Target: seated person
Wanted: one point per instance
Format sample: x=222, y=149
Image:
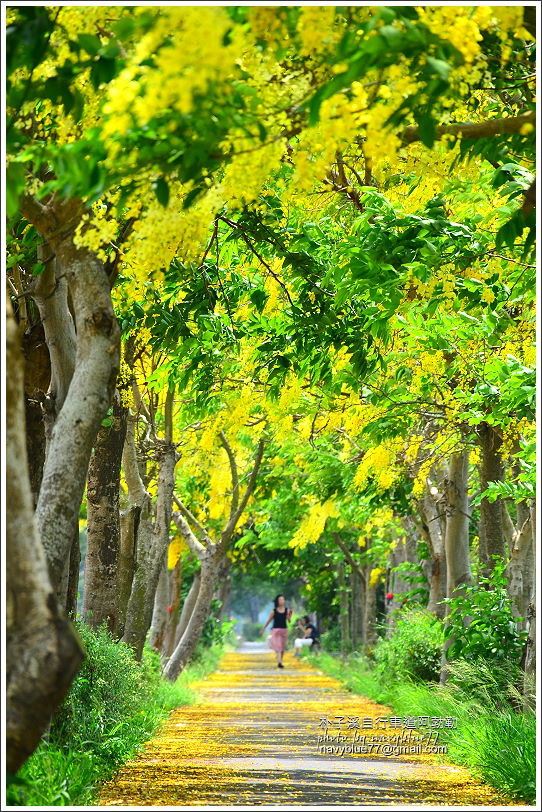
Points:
x=310, y=635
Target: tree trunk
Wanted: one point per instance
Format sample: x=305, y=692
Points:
x=210, y=563
x=254, y=607
x=457, y=524
x=519, y=570
x=435, y=524
x=43, y=651
x=357, y=614
x=370, y=613
x=37, y=377
x=346, y=643
x=92, y=384
x=175, y=579
x=128, y=523
x=73, y=575
x=456, y=541
x=152, y=544
x=188, y=608
x=51, y=296
x=224, y=587
x=491, y=470
x=529, y=664
x=160, y=610
x=103, y=545
x=211, y=557
x=134, y=631
x=396, y=585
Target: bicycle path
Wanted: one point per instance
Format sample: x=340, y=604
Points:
x=264, y=736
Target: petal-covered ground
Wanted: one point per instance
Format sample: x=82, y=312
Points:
x=265, y=736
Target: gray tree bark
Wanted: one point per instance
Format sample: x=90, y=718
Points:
x=520, y=570
x=101, y=597
x=358, y=608
x=50, y=292
x=92, y=384
x=152, y=543
x=435, y=521
x=160, y=613
x=358, y=599
x=224, y=587
x=210, y=559
x=128, y=523
x=457, y=533
x=344, y=605
x=43, y=650
x=188, y=608
x=457, y=524
x=72, y=590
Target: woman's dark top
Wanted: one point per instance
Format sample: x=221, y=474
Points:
x=279, y=619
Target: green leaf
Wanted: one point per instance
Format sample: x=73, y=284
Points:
x=426, y=126
x=89, y=43
x=15, y=181
x=258, y=298
x=161, y=190
x=439, y=67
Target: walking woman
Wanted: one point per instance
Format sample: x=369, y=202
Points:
x=280, y=616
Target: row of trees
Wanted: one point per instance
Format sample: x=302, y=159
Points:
x=273, y=287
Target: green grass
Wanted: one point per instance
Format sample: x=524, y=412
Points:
x=113, y=708
x=496, y=742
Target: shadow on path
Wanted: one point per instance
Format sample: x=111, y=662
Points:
x=264, y=736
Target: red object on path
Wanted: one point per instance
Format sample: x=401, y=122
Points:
x=170, y=608
x=389, y=595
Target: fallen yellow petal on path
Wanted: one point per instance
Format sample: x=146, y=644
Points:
x=261, y=735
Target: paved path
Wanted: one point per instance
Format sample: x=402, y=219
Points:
x=253, y=740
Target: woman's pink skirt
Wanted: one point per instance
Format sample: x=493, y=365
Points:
x=279, y=638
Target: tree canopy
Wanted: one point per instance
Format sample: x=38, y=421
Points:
x=299, y=245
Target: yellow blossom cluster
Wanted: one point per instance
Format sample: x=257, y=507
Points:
x=316, y=29
x=187, y=45
x=378, y=461
x=177, y=548
x=219, y=487
x=379, y=521
x=376, y=576
x=313, y=524
x=420, y=480
x=124, y=381
x=96, y=230
x=248, y=170
x=455, y=24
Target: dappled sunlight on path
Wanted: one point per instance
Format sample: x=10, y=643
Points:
x=260, y=735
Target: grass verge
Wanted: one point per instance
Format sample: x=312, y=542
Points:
x=497, y=743
x=113, y=708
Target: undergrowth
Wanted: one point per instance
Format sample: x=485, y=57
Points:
x=496, y=724
x=113, y=707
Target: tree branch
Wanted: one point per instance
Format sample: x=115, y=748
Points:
x=184, y=529
x=230, y=527
x=252, y=479
x=234, y=474
x=136, y=489
x=470, y=130
x=189, y=516
x=168, y=416
x=348, y=555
